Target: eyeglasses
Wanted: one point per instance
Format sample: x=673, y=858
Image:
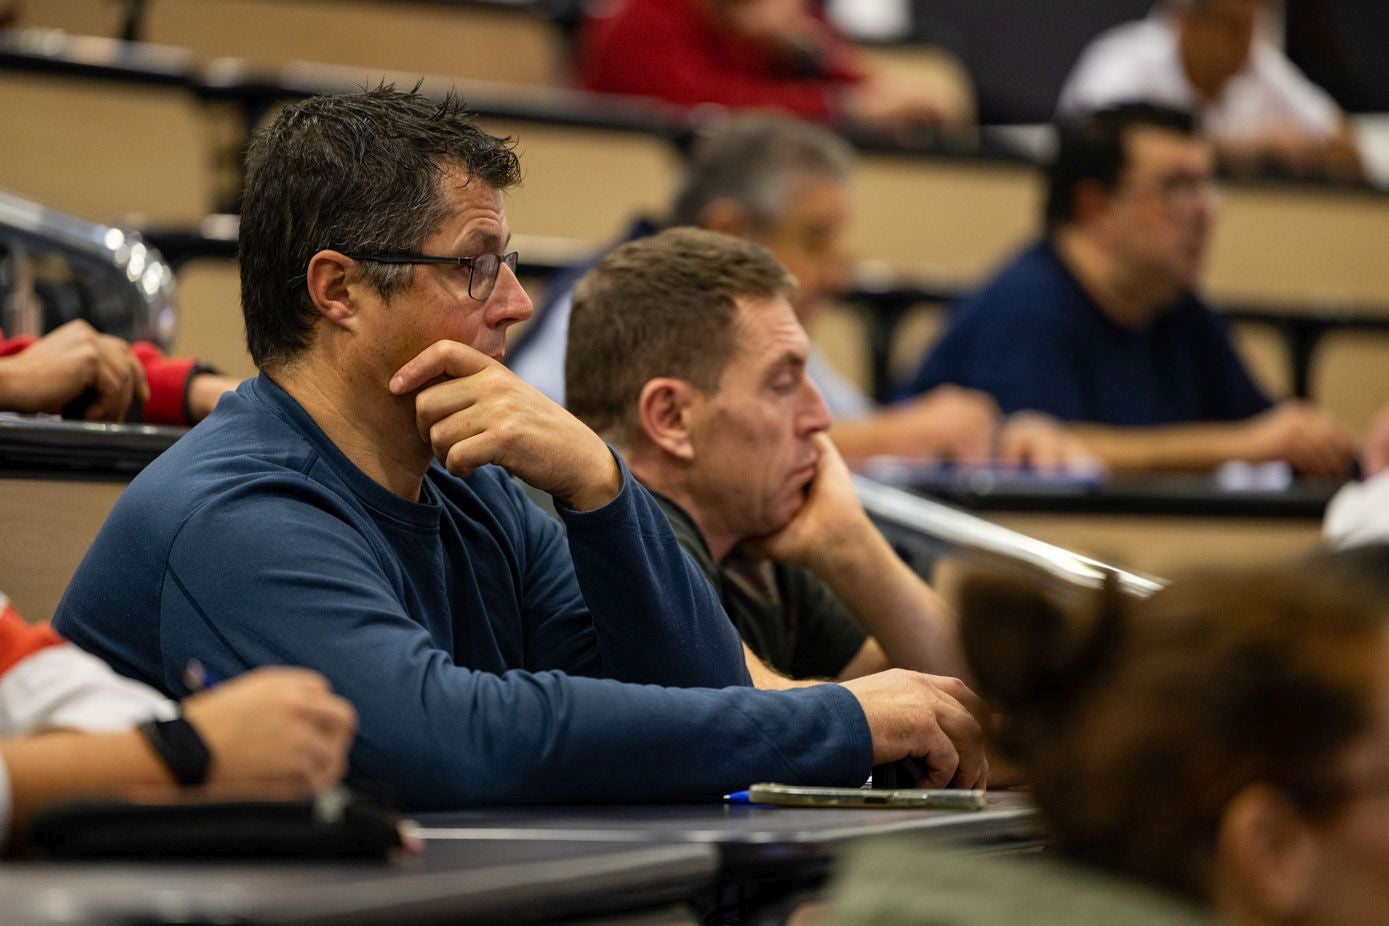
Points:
x=482, y=270
x=1179, y=190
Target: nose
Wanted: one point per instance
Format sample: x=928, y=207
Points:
x=509, y=302
x=814, y=415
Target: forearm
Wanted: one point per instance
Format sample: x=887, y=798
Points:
x=765, y=678
x=50, y=768
x=523, y=738
x=656, y=618
x=909, y=620
x=1179, y=447
x=860, y=439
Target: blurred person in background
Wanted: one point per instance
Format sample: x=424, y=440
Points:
x=1214, y=58
x=785, y=185
x=1220, y=748
x=754, y=54
x=1099, y=325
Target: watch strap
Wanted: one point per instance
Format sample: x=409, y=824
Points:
x=180, y=747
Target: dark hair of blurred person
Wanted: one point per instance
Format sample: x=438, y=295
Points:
x=1227, y=739
x=1095, y=149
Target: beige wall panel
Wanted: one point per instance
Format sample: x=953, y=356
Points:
x=586, y=184
x=80, y=17
x=45, y=529
x=946, y=220
x=1265, y=353
x=209, y=316
x=841, y=335
x=917, y=334
x=1350, y=376
x=105, y=151
x=1307, y=246
x=480, y=44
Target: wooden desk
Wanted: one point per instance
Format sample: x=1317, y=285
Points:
x=750, y=839
x=1156, y=524
x=454, y=881
x=58, y=481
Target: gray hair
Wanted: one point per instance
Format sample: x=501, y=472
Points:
x=753, y=160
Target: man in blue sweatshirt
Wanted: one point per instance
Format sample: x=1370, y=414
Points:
x=350, y=510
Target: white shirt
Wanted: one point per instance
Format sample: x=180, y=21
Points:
x=60, y=686
x=1359, y=514
x=1141, y=61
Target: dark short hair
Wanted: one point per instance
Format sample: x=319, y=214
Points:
x=351, y=172
x=660, y=306
x=1137, y=722
x=1094, y=147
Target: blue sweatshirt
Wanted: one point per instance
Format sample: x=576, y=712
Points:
x=490, y=658
x=1034, y=339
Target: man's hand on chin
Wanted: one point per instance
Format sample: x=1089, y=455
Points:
x=480, y=412
x=830, y=518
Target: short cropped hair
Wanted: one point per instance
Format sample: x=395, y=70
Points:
x=660, y=306
x=350, y=172
x=1093, y=147
x=753, y=160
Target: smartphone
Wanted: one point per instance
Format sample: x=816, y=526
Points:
x=911, y=798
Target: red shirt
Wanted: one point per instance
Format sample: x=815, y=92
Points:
x=168, y=379
x=669, y=49
x=19, y=640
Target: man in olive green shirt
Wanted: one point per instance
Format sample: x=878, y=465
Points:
x=686, y=354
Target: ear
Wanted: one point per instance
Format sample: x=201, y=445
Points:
x=1091, y=200
x=1268, y=854
x=332, y=287
x=727, y=216
x=664, y=412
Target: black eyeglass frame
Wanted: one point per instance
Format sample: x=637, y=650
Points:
x=476, y=266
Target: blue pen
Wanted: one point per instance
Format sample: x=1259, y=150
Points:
x=737, y=797
x=197, y=678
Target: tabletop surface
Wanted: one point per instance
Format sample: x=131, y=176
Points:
x=450, y=880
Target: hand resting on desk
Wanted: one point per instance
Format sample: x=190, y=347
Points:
x=927, y=717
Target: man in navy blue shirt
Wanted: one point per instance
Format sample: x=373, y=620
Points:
x=350, y=510
x=1097, y=324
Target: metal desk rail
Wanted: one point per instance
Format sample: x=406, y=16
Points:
x=965, y=533
x=120, y=258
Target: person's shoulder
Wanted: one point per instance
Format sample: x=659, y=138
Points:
x=1031, y=286
x=1148, y=36
x=1273, y=73
x=1120, y=63
x=240, y=440
x=955, y=889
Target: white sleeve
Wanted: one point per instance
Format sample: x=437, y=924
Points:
x=62, y=686
x=542, y=362
x=1132, y=62
x=1359, y=514
x=845, y=401
x=1306, y=105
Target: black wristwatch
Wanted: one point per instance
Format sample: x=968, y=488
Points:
x=181, y=748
